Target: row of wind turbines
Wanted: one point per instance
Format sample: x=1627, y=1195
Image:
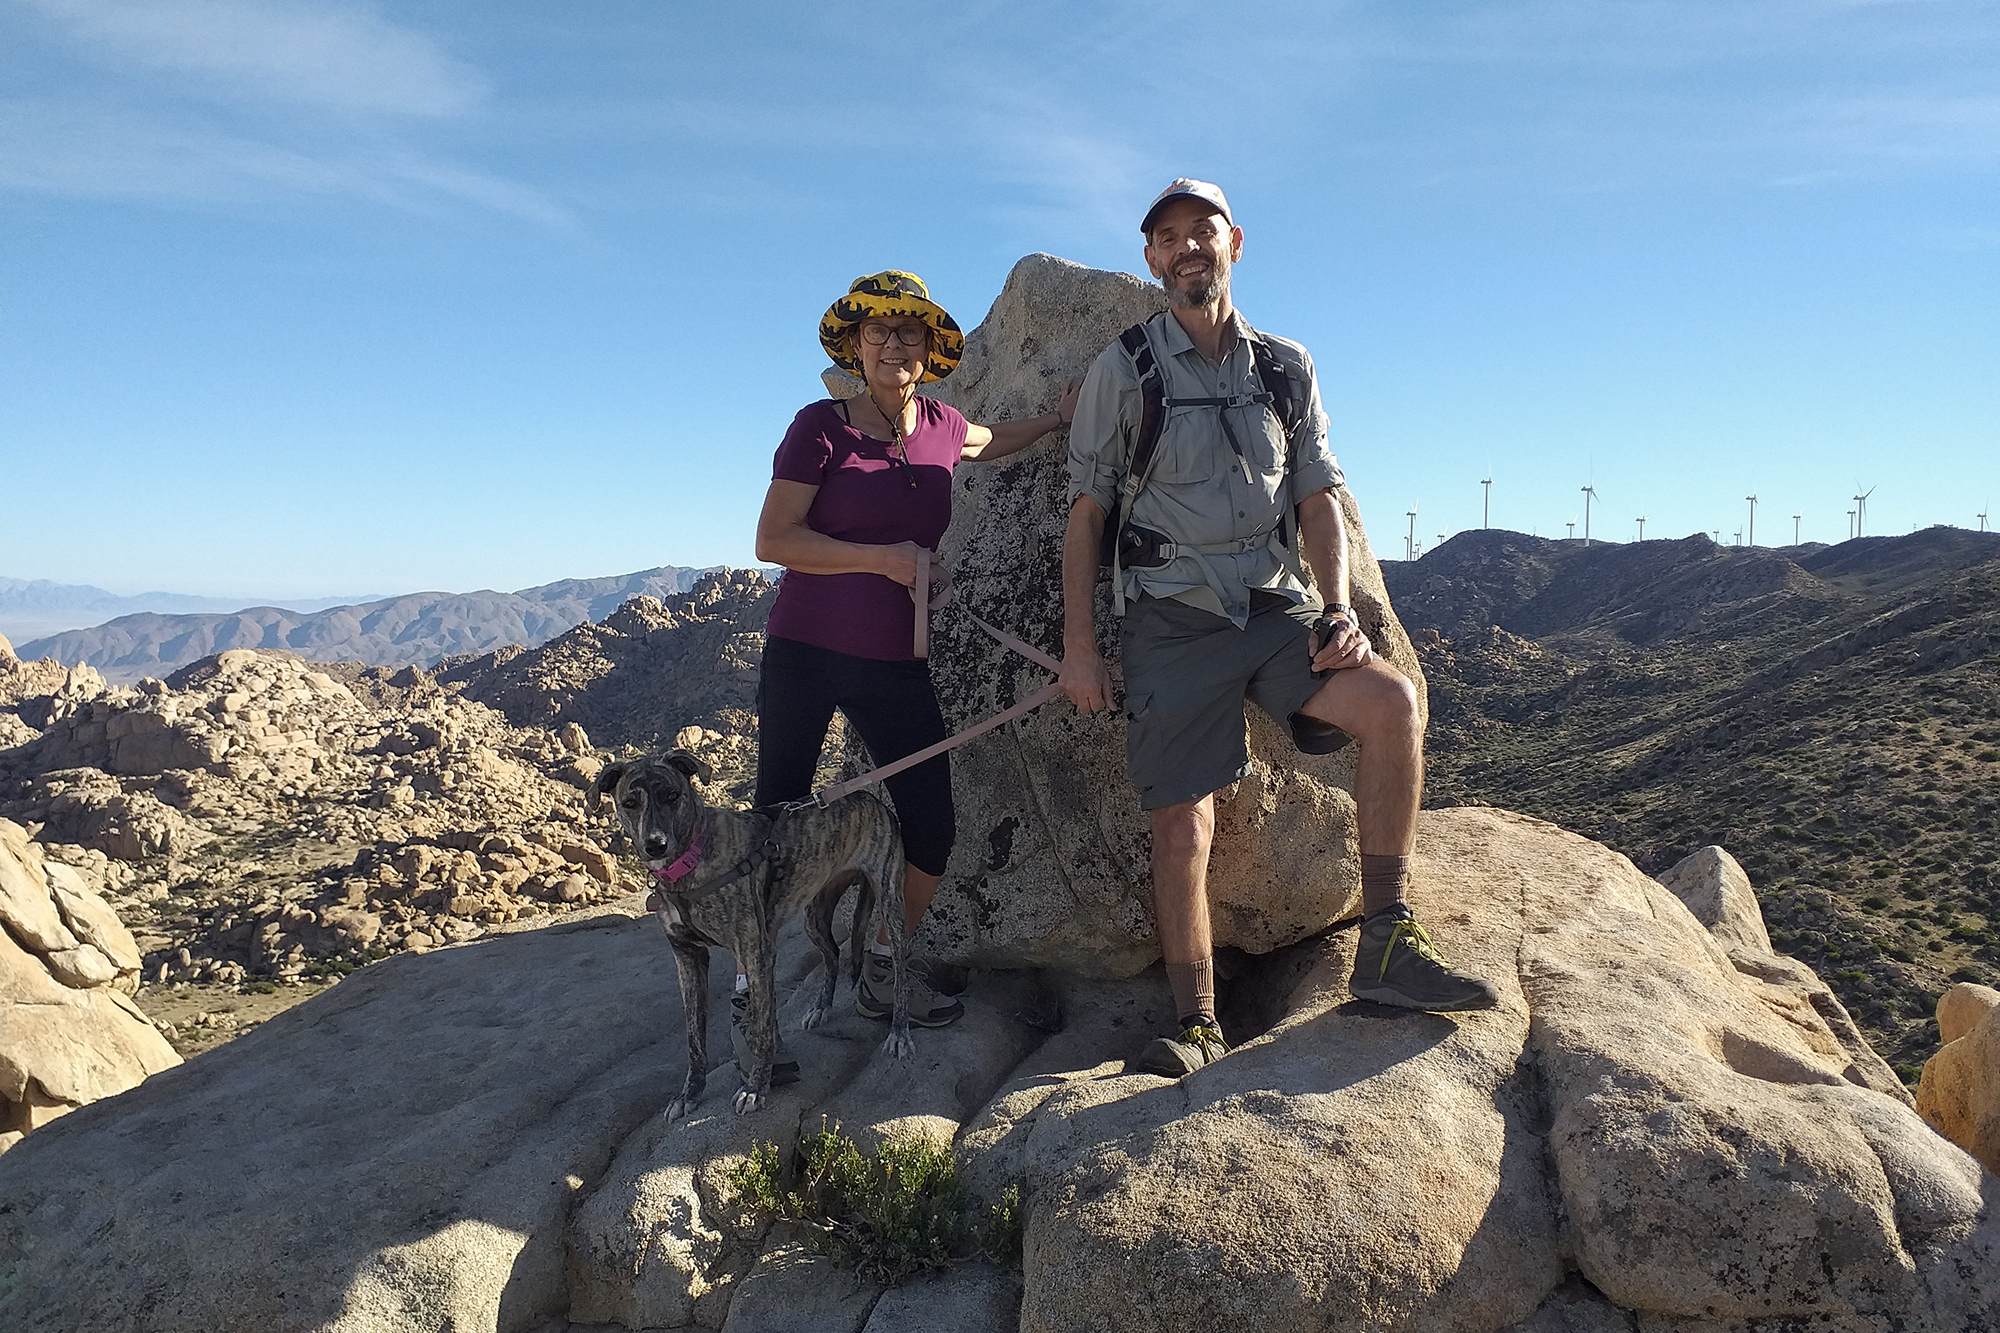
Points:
x=1857, y=520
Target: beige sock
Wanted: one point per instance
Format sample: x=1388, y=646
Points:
x=1194, y=988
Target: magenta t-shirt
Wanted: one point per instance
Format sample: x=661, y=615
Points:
x=864, y=496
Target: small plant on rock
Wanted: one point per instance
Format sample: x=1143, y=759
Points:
x=902, y=1212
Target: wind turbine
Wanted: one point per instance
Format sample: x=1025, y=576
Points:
x=1861, y=510
x=1737, y=538
x=1571, y=525
x=1795, y=528
x=1642, y=527
x=1440, y=539
x=1753, y=518
x=1982, y=519
x=1410, y=542
x=1486, y=502
x=1589, y=494
x=1850, y=524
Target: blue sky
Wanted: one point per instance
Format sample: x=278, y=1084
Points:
x=317, y=298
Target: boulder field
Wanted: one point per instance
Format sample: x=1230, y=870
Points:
x=1657, y=1130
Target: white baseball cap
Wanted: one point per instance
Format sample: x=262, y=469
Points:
x=1187, y=189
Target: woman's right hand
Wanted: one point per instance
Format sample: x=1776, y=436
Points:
x=899, y=562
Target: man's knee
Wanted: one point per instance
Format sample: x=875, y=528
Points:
x=1184, y=828
x=1376, y=704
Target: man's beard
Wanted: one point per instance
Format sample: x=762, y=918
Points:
x=1200, y=289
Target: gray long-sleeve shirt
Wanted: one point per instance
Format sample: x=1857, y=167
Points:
x=1201, y=493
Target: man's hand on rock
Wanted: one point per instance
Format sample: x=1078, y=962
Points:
x=1086, y=680
x=1338, y=643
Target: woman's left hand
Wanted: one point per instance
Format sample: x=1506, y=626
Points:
x=1005, y=438
x=1066, y=403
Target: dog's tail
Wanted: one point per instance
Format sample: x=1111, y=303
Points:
x=865, y=897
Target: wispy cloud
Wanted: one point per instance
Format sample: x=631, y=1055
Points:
x=339, y=57
x=51, y=148
x=227, y=102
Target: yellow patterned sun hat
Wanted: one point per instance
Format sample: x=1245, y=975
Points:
x=891, y=292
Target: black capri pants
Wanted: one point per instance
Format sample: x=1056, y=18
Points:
x=893, y=707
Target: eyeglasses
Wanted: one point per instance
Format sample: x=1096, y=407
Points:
x=909, y=335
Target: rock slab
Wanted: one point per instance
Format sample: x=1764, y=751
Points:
x=1642, y=1136
x=69, y=1031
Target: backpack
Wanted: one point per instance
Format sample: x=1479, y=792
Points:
x=1125, y=544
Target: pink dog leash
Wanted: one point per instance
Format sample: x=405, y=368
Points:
x=925, y=605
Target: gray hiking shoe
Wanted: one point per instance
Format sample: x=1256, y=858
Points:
x=1200, y=1043
x=875, y=997
x=784, y=1066
x=1396, y=963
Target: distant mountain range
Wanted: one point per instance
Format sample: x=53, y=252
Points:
x=36, y=608
x=415, y=629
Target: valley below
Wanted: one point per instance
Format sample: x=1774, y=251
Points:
x=1831, y=715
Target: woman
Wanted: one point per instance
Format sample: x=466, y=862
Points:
x=857, y=487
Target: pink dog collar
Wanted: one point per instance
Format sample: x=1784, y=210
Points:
x=684, y=864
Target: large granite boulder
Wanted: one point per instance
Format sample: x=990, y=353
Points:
x=1960, y=1089
x=1638, y=1110
x=1643, y=1136
x=1051, y=863
x=69, y=1033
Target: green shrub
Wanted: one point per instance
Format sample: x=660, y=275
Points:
x=902, y=1212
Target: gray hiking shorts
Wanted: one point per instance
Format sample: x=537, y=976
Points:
x=1187, y=673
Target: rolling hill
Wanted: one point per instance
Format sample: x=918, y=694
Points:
x=415, y=629
x=1829, y=714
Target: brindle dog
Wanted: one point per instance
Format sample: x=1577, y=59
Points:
x=746, y=872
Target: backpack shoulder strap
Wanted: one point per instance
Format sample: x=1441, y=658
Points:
x=1152, y=396
x=1152, y=414
x=1271, y=373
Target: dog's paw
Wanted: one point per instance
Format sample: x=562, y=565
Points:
x=814, y=1017
x=748, y=1101
x=678, y=1108
x=899, y=1046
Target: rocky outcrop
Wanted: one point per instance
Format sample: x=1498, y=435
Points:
x=1642, y=1136
x=1714, y=887
x=1051, y=862
x=650, y=669
x=1960, y=1090
x=422, y=822
x=69, y=1034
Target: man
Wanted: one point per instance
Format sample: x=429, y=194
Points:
x=1216, y=610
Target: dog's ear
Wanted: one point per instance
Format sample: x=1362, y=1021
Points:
x=690, y=765
x=607, y=778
